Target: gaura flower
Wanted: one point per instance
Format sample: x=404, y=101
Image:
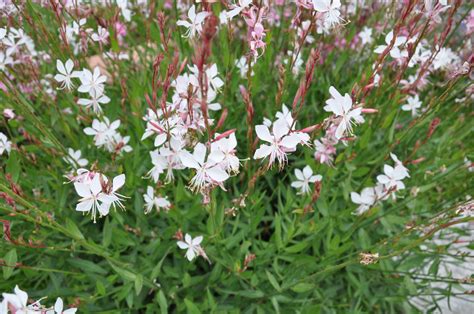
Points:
x=154, y=201
x=66, y=74
x=304, y=178
x=280, y=142
x=92, y=83
x=341, y=106
x=194, y=25
x=208, y=171
x=193, y=246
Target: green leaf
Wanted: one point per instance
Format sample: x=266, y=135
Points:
x=273, y=281
x=74, y=230
x=138, y=284
x=13, y=166
x=10, y=260
x=191, y=307
x=302, y=287
x=107, y=233
x=125, y=274
x=87, y=266
x=162, y=302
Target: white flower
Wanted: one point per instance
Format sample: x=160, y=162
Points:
x=365, y=199
x=101, y=35
x=225, y=150
x=4, y=61
x=366, y=35
x=94, y=102
x=392, y=177
x=91, y=197
x=207, y=172
x=92, y=83
x=17, y=302
x=237, y=8
x=98, y=195
x=66, y=73
x=111, y=197
x=395, y=52
x=59, y=306
x=214, y=82
x=74, y=158
x=280, y=142
x=126, y=13
x=330, y=8
x=103, y=132
x=342, y=107
x=399, y=164
x=413, y=104
x=194, y=25
x=305, y=177
x=5, y=144
x=193, y=246
x=159, y=165
x=152, y=200
x=445, y=58
x=243, y=66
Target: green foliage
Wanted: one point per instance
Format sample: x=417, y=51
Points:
x=307, y=262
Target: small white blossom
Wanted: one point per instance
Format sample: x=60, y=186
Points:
x=194, y=25
x=74, y=158
x=155, y=201
x=92, y=82
x=5, y=144
x=192, y=246
x=305, y=177
x=341, y=106
x=66, y=73
x=413, y=104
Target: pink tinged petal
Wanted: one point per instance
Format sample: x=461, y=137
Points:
x=334, y=93
x=290, y=141
x=388, y=170
x=188, y=160
x=217, y=174
x=60, y=67
x=160, y=139
x=315, y=178
x=263, y=133
x=383, y=179
x=69, y=66
x=307, y=172
x=12, y=299
x=200, y=153
x=59, y=77
x=118, y=182
x=297, y=184
x=347, y=103
x=280, y=128
x=190, y=255
x=96, y=186
x=182, y=245
x=22, y=295
x=356, y=198
x=59, y=305
x=299, y=175
x=262, y=152
x=83, y=190
x=380, y=49
x=85, y=206
x=188, y=238
x=341, y=128
x=197, y=240
x=104, y=209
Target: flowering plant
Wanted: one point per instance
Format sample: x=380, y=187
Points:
x=228, y=156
